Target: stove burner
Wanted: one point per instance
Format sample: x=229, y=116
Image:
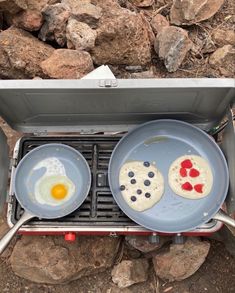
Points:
x=99, y=208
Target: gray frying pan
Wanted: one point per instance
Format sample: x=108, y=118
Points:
x=163, y=141
x=62, y=160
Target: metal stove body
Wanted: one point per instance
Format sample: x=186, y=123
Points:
x=99, y=214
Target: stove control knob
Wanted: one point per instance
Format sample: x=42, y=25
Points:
x=71, y=237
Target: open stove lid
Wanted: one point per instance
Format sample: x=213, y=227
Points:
x=111, y=105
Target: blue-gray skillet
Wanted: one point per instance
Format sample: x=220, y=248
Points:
x=163, y=141
x=76, y=169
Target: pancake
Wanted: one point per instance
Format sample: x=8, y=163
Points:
x=141, y=184
x=190, y=177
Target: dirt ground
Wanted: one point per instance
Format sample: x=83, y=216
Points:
x=217, y=274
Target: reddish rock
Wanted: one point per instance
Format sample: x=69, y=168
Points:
x=21, y=60
x=223, y=59
x=106, y=6
x=84, y=11
x=130, y=272
x=38, y=4
x=30, y=20
x=142, y=3
x=149, y=28
x=79, y=35
x=122, y=38
x=171, y=45
x=187, y=12
x=182, y=260
x=52, y=260
x=55, y=21
x=158, y=22
x=223, y=37
x=13, y=6
x=142, y=242
x=67, y=64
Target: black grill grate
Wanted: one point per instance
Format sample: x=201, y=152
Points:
x=99, y=208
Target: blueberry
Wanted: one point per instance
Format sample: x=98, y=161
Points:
x=122, y=187
x=151, y=174
x=139, y=191
x=133, y=181
x=148, y=195
x=133, y=198
x=146, y=164
x=147, y=182
x=131, y=174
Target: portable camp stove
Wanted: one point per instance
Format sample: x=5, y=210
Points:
x=101, y=111
x=99, y=214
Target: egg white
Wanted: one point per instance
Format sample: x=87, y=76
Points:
x=44, y=186
x=55, y=174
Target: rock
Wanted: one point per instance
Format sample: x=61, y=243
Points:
x=55, y=21
x=130, y=272
x=223, y=59
x=84, y=11
x=142, y=242
x=187, y=12
x=182, y=260
x=158, y=22
x=30, y=20
x=38, y=5
x=79, y=35
x=149, y=28
x=122, y=38
x=171, y=45
x=106, y=6
x=13, y=6
x=21, y=54
x=223, y=37
x=52, y=260
x=142, y=3
x=67, y=64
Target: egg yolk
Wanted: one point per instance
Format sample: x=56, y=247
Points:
x=59, y=191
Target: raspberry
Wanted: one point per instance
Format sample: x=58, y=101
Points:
x=186, y=164
x=194, y=172
x=183, y=172
x=187, y=186
x=198, y=188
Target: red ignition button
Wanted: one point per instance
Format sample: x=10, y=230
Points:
x=71, y=237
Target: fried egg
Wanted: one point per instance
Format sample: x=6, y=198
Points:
x=54, y=187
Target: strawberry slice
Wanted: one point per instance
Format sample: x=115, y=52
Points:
x=194, y=173
x=186, y=164
x=187, y=186
x=198, y=187
x=183, y=172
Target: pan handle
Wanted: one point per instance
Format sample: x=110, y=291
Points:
x=223, y=217
x=9, y=235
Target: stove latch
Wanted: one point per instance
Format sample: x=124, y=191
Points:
x=108, y=83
